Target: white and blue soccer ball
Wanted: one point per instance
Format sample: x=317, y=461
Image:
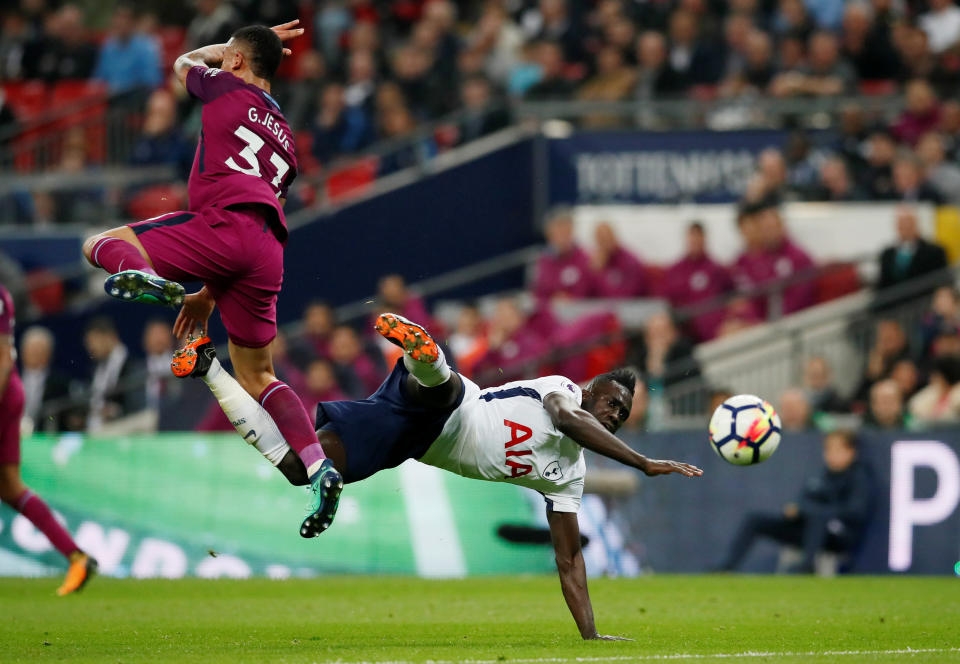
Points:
x=744, y=430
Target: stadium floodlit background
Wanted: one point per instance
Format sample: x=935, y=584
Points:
x=727, y=196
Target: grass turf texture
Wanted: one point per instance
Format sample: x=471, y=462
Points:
x=496, y=618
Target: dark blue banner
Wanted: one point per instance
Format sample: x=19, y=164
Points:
x=687, y=525
x=655, y=167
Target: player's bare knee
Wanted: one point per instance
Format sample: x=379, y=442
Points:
x=89, y=245
x=254, y=382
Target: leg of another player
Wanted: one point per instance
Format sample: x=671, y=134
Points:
x=15, y=494
x=132, y=274
x=254, y=369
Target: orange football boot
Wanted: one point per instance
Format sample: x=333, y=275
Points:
x=194, y=359
x=412, y=338
x=82, y=568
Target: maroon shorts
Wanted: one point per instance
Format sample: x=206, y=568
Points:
x=234, y=252
x=11, y=410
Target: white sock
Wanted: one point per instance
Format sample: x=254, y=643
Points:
x=248, y=417
x=428, y=374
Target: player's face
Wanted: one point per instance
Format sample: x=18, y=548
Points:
x=610, y=405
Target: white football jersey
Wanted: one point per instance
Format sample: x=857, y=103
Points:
x=504, y=434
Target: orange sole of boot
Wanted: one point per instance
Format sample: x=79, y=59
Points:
x=414, y=340
x=185, y=359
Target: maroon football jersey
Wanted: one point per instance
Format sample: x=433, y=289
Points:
x=246, y=152
x=6, y=312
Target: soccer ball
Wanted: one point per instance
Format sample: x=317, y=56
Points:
x=744, y=430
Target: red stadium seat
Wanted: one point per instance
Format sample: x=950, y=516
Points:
x=836, y=281
x=352, y=180
x=85, y=105
x=306, y=162
x=878, y=87
x=172, y=39
x=28, y=99
x=156, y=200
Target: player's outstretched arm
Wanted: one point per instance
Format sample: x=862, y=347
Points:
x=584, y=428
x=565, y=533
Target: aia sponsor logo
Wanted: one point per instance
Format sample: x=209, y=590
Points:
x=518, y=434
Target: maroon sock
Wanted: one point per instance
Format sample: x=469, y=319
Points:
x=294, y=424
x=31, y=506
x=115, y=255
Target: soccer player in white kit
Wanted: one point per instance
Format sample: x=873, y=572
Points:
x=530, y=433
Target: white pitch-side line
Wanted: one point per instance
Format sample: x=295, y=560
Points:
x=433, y=531
x=647, y=658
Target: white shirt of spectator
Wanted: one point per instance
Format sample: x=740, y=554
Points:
x=942, y=28
x=504, y=434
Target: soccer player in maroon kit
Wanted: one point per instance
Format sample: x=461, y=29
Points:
x=231, y=238
x=12, y=490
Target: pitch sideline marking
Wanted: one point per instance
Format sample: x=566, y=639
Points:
x=677, y=656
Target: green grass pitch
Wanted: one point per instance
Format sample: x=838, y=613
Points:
x=521, y=619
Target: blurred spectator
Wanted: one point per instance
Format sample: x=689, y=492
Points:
x=939, y=174
x=697, y=278
x=773, y=172
x=639, y=409
x=299, y=97
x=68, y=53
x=662, y=354
x=499, y=39
x=394, y=296
x=851, y=143
x=825, y=75
x=939, y=401
x=907, y=377
x=15, y=37
x=950, y=128
x=513, y=344
x=759, y=68
x=889, y=347
x=111, y=396
x=468, y=342
x=796, y=413
x=912, y=256
x=835, y=183
x=397, y=122
x=552, y=20
x=943, y=318
x=553, y=84
x=480, y=116
x=161, y=141
x=753, y=267
x=128, y=60
x=886, y=406
x=617, y=271
x=339, y=128
x=613, y=81
x=286, y=365
x=214, y=23
x=908, y=181
x=43, y=385
x=877, y=177
x=818, y=383
x=357, y=374
x=564, y=268
x=690, y=56
x=942, y=25
x=318, y=323
x=361, y=82
x=867, y=45
x=158, y=348
x=831, y=514
x=656, y=77
x=789, y=262
x=921, y=114
x=321, y=386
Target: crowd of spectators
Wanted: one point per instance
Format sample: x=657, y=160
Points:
x=369, y=70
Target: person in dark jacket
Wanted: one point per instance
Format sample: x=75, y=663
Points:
x=912, y=256
x=831, y=513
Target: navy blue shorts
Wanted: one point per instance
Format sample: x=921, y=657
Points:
x=385, y=429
